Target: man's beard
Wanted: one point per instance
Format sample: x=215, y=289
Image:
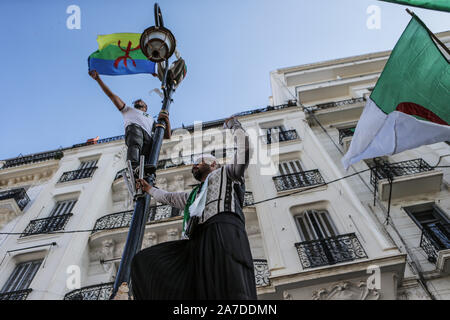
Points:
x=198, y=174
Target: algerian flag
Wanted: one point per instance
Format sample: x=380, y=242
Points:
x=410, y=104
x=443, y=5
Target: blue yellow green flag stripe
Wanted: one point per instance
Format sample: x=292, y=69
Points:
x=120, y=54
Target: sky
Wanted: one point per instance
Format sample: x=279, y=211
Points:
x=49, y=101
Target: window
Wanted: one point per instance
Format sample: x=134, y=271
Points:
x=273, y=134
x=88, y=164
x=315, y=225
x=62, y=207
x=432, y=220
x=292, y=175
x=288, y=167
x=278, y=133
x=22, y=276
x=56, y=221
x=321, y=244
x=85, y=170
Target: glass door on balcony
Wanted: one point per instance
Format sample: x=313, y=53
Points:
x=88, y=164
x=274, y=134
x=20, y=279
x=434, y=223
x=315, y=225
x=292, y=173
x=59, y=215
x=321, y=243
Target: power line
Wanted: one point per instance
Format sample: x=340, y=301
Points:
x=248, y=205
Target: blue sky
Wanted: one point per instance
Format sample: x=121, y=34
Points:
x=48, y=100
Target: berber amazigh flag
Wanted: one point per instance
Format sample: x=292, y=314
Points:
x=410, y=104
x=443, y=5
x=119, y=54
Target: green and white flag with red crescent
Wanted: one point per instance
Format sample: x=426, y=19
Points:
x=410, y=104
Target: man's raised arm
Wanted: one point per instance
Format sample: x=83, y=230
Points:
x=174, y=199
x=241, y=158
x=114, y=98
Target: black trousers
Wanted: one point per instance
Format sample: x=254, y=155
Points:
x=215, y=264
x=138, y=142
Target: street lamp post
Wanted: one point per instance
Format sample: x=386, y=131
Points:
x=158, y=44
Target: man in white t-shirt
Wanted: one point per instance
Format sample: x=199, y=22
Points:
x=138, y=124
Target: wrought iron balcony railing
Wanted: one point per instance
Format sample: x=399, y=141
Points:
x=338, y=103
x=280, y=136
x=95, y=292
x=38, y=157
x=248, y=198
x=262, y=272
x=298, y=180
x=329, y=251
x=15, y=295
x=343, y=133
x=46, y=225
x=103, y=291
x=58, y=154
x=434, y=239
x=77, y=174
x=123, y=219
x=94, y=141
x=20, y=195
x=398, y=169
x=189, y=160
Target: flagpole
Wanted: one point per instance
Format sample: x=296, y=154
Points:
x=429, y=31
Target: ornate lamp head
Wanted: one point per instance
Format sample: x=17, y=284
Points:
x=157, y=43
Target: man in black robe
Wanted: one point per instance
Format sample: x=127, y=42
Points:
x=214, y=260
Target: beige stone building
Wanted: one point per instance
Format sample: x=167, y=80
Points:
x=313, y=233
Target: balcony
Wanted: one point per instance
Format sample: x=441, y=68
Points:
x=104, y=291
x=409, y=178
x=189, y=160
x=435, y=241
x=19, y=196
x=77, y=174
x=298, y=180
x=97, y=141
x=337, y=111
x=46, y=225
x=329, y=251
x=38, y=157
x=123, y=219
x=280, y=136
x=95, y=292
x=15, y=295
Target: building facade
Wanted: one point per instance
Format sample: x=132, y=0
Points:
x=380, y=233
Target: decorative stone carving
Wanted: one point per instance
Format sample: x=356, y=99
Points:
x=107, y=253
x=30, y=173
x=172, y=234
x=120, y=155
x=161, y=183
x=6, y=216
x=347, y=291
x=150, y=239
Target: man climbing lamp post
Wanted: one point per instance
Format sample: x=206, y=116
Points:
x=158, y=45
